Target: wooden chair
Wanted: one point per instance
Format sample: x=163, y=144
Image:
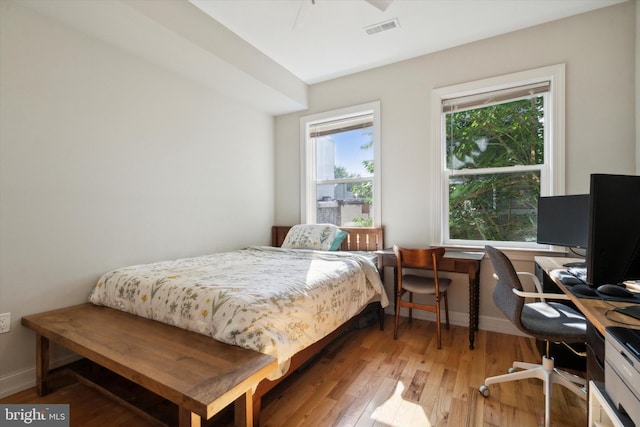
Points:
x=414, y=284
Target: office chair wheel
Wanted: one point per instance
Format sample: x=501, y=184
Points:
x=511, y=370
x=484, y=390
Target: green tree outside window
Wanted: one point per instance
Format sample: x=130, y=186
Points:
x=502, y=142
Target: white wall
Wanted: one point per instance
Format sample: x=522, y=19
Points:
x=108, y=160
x=598, y=49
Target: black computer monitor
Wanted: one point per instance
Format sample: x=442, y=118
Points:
x=564, y=220
x=613, y=254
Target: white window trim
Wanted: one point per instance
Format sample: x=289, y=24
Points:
x=556, y=170
x=307, y=158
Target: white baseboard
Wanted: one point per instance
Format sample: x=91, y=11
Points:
x=21, y=380
x=492, y=324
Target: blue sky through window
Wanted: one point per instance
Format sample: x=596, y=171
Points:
x=348, y=152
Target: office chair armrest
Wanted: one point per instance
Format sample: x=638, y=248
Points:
x=537, y=295
x=542, y=296
x=533, y=278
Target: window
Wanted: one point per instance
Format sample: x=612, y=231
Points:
x=500, y=146
x=340, y=171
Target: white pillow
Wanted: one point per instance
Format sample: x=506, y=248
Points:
x=310, y=236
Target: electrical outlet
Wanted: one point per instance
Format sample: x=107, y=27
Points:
x=5, y=323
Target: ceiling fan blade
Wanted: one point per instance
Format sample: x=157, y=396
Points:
x=304, y=11
x=380, y=4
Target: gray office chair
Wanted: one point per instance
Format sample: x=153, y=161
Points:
x=548, y=321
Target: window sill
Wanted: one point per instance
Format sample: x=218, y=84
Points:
x=517, y=254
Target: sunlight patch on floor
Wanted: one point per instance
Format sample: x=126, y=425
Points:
x=399, y=412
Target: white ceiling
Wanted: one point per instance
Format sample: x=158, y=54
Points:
x=327, y=40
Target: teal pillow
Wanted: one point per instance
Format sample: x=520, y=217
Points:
x=337, y=239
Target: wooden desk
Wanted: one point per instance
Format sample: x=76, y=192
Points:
x=454, y=261
x=200, y=375
x=597, y=311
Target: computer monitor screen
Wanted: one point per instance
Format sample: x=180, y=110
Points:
x=564, y=220
x=613, y=254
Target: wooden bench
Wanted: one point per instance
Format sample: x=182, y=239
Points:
x=197, y=373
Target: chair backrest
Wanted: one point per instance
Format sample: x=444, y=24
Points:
x=504, y=298
x=418, y=258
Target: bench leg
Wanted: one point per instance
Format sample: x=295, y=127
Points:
x=42, y=365
x=243, y=410
x=188, y=418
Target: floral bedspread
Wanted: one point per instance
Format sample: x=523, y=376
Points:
x=272, y=300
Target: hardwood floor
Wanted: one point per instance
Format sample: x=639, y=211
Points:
x=366, y=378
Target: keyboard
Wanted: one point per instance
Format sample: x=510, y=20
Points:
x=579, y=272
x=566, y=278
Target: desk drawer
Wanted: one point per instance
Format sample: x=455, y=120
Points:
x=595, y=340
x=456, y=266
x=595, y=354
x=595, y=367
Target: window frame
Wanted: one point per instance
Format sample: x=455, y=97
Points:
x=552, y=172
x=308, y=158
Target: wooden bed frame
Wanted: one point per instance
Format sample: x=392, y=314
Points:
x=359, y=239
x=134, y=358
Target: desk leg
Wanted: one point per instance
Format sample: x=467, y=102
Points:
x=381, y=316
x=474, y=303
x=42, y=365
x=395, y=289
x=380, y=264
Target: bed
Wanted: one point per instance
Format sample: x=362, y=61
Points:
x=273, y=300
x=288, y=302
